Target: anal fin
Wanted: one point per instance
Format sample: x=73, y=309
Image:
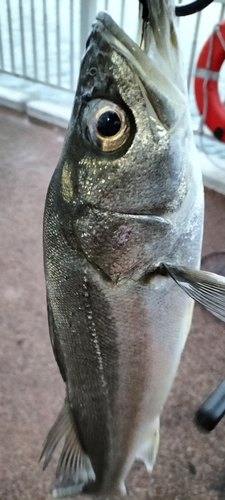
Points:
x=148, y=451
x=74, y=469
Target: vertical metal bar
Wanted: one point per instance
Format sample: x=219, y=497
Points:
x=34, y=44
x=178, y=19
x=45, y=41
x=22, y=38
x=1, y=48
x=193, y=49
x=122, y=15
x=71, y=45
x=87, y=16
x=106, y=5
x=221, y=13
x=10, y=36
x=58, y=55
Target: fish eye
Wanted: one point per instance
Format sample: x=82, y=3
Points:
x=106, y=124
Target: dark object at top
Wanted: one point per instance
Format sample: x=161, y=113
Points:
x=212, y=410
x=180, y=10
x=192, y=8
x=145, y=10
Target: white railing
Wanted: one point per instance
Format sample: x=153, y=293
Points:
x=43, y=40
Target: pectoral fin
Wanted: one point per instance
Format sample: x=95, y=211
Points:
x=74, y=467
x=206, y=288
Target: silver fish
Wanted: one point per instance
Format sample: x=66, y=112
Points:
x=126, y=196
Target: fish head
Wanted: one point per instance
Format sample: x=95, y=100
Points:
x=125, y=163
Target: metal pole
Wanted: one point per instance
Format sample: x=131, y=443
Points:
x=58, y=55
x=194, y=43
x=221, y=13
x=34, y=39
x=22, y=38
x=45, y=41
x=10, y=36
x=122, y=16
x=1, y=49
x=71, y=45
x=87, y=16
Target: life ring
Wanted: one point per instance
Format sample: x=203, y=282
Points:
x=206, y=82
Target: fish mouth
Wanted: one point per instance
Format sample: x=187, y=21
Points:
x=118, y=37
x=138, y=217
x=84, y=209
x=159, y=85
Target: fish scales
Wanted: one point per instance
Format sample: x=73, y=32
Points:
x=126, y=195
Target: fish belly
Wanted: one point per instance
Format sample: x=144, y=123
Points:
x=152, y=323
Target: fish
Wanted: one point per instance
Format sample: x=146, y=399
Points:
x=123, y=219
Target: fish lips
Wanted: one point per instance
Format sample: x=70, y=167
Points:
x=120, y=245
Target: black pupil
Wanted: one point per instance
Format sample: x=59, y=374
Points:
x=108, y=123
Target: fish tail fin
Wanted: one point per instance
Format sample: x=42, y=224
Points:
x=74, y=468
x=148, y=451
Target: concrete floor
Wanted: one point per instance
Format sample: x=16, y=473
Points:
x=190, y=465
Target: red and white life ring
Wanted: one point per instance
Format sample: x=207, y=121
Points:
x=206, y=82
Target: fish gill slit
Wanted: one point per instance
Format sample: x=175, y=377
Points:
x=94, y=335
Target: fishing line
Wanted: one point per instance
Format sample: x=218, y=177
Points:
x=192, y=8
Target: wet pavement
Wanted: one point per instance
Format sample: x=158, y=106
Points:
x=190, y=465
